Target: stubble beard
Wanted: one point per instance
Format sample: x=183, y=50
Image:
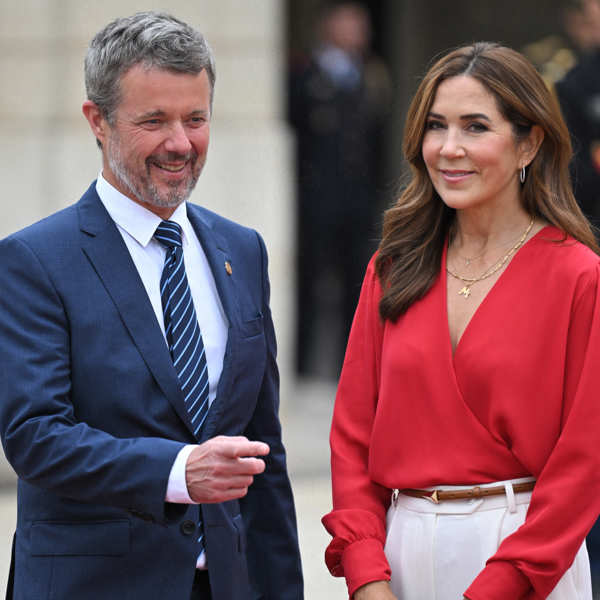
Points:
x=142, y=188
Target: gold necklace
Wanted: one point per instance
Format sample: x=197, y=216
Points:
x=469, y=281
x=469, y=259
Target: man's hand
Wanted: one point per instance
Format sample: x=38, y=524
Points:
x=223, y=468
x=376, y=590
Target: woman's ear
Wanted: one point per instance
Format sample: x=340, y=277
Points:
x=531, y=144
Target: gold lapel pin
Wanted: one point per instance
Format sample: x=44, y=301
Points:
x=228, y=267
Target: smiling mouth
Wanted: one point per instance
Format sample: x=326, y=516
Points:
x=170, y=168
x=455, y=173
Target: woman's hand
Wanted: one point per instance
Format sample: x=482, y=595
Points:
x=376, y=590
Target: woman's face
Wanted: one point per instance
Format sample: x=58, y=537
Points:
x=469, y=148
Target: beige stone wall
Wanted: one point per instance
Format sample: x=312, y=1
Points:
x=47, y=153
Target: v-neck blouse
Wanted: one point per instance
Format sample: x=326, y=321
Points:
x=519, y=397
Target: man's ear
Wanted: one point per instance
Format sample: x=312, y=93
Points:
x=95, y=118
x=531, y=144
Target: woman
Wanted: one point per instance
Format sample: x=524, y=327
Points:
x=471, y=369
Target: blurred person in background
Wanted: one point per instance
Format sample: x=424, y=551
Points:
x=579, y=96
x=466, y=426
x=338, y=97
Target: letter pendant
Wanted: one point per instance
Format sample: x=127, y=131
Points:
x=466, y=291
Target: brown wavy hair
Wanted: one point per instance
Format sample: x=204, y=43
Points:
x=416, y=226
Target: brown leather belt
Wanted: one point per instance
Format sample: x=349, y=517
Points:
x=436, y=496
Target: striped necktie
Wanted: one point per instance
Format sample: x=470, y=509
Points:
x=183, y=332
x=181, y=326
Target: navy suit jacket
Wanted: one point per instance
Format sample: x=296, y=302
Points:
x=92, y=418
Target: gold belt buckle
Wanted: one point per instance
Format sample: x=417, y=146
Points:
x=433, y=498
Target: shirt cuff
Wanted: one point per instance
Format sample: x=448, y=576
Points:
x=498, y=581
x=364, y=561
x=177, y=491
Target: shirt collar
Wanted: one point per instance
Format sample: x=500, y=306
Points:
x=139, y=222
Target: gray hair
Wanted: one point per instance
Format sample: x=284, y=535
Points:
x=153, y=39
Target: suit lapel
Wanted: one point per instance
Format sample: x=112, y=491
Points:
x=217, y=252
x=106, y=250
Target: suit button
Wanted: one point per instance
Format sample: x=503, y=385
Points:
x=188, y=527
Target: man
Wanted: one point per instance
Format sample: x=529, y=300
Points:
x=338, y=100
x=579, y=96
x=139, y=383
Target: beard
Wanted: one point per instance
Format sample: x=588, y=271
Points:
x=139, y=183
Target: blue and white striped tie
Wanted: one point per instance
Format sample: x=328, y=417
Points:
x=181, y=326
x=182, y=330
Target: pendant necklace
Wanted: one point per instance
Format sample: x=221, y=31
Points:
x=470, y=259
x=469, y=281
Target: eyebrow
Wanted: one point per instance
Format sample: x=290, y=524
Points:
x=468, y=117
x=150, y=115
x=161, y=113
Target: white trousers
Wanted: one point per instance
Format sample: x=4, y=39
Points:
x=435, y=551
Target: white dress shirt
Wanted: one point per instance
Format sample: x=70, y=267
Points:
x=137, y=225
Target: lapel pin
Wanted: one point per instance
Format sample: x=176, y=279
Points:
x=228, y=267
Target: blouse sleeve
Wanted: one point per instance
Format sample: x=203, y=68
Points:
x=357, y=521
x=566, y=500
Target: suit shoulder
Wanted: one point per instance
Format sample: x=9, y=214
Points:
x=583, y=76
x=226, y=227
x=58, y=230
x=56, y=224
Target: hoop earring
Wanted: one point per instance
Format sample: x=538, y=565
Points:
x=522, y=174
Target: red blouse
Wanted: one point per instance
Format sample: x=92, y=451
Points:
x=519, y=397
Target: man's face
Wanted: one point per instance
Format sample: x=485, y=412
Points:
x=583, y=25
x=156, y=146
